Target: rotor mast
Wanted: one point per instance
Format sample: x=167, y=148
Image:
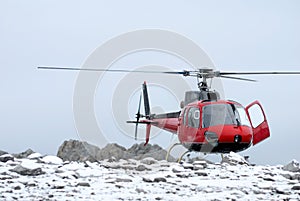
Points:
x=204, y=74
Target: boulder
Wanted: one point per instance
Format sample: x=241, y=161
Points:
x=6, y=157
x=113, y=151
x=293, y=166
x=74, y=150
x=139, y=151
x=3, y=152
x=27, y=171
x=24, y=154
x=234, y=159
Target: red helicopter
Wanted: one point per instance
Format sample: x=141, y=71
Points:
x=206, y=123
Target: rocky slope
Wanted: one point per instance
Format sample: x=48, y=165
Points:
x=74, y=150
x=37, y=177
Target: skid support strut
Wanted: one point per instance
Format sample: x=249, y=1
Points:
x=182, y=155
x=169, y=151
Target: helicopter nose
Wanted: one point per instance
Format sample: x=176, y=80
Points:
x=237, y=138
x=212, y=138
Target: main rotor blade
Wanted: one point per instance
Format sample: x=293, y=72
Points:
x=185, y=73
x=262, y=73
x=238, y=78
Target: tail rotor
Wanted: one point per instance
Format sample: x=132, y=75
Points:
x=147, y=115
x=138, y=116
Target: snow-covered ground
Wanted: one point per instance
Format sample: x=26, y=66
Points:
x=49, y=178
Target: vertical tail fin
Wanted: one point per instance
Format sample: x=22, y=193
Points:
x=147, y=111
x=146, y=101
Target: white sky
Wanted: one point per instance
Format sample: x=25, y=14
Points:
x=36, y=107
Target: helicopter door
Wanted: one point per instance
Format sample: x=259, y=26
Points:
x=258, y=121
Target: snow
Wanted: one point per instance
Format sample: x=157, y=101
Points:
x=34, y=156
x=52, y=160
x=30, y=164
x=162, y=180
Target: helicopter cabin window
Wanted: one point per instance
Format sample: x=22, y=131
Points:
x=194, y=117
x=184, y=117
x=224, y=114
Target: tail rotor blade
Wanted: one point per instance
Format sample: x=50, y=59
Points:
x=138, y=115
x=135, y=132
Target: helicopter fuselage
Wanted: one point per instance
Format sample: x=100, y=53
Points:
x=213, y=126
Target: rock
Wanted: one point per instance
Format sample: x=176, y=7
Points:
x=2, y=152
x=85, y=184
x=58, y=186
x=234, y=159
x=113, y=151
x=139, y=151
x=26, y=171
x=187, y=166
x=183, y=175
x=139, y=190
x=268, y=179
x=159, y=179
x=281, y=191
x=297, y=187
x=17, y=188
x=148, y=161
x=154, y=179
x=287, y=176
x=123, y=180
x=293, y=166
x=141, y=168
x=74, y=150
x=178, y=169
x=6, y=157
x=147, y=179
x=31, y=184
x=112, y=159
x=200, y=173
x=24, y=154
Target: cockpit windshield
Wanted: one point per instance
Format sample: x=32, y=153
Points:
x=224, y=114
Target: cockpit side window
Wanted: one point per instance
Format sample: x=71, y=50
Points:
x=194, y=117
x=241, y=115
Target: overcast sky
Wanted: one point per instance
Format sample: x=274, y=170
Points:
x=36, y=107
